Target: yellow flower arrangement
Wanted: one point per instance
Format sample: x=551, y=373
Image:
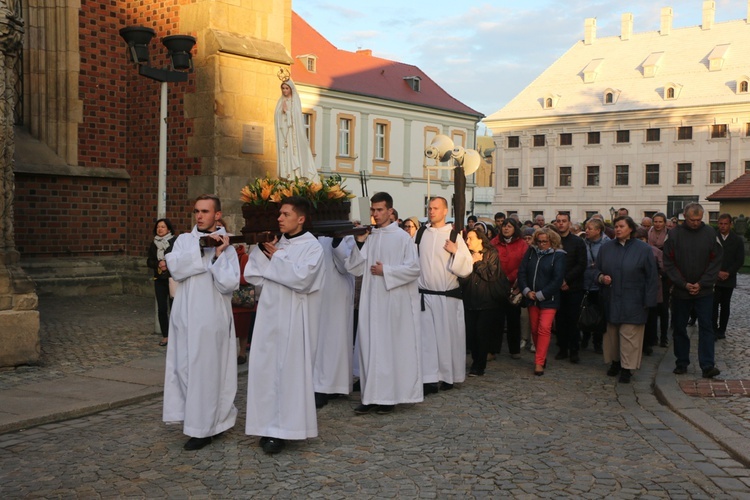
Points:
x=263, y=191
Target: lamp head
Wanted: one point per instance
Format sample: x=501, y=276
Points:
x=440, y=148
x=179, y=47
x=137, y=38
x=471, y=161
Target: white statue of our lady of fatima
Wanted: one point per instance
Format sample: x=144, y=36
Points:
x=292, y=147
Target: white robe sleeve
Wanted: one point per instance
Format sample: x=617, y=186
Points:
x=301, y=275
x=257, y=262
x=357, y=260
x=341, y=253
x=461, y=264
x=185, y=259
x=226, y=271
x=404, y=273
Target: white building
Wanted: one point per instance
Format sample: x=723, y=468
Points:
x=373, y=116
x=647, y=121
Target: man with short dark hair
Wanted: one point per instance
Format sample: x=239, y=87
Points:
x=571, y=293
x=389, y=332
x=280, y=389
x=731, y=262
x=499, y=219
x=200, y=378
x=692, y=260
x=622, y=212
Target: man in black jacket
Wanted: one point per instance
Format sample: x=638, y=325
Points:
x=571, y=293
x=692, y=259
x=731, y=262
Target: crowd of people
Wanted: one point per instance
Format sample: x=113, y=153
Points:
x=392, y=311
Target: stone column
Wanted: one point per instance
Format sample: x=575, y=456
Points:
x=19, y=319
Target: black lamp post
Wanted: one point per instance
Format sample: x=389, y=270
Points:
x=180, y=64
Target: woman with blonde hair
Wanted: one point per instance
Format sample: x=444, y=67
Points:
x=540, y=277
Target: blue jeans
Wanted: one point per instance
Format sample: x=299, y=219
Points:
x=680, y=314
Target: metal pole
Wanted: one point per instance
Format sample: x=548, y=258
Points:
x=161, y=201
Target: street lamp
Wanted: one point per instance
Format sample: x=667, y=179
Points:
x=465, y=162
x=612, y=213
x=180, y=63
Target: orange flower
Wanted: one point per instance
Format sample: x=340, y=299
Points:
x=275, y=197
x=315, y=187
x=265, y=191
x=247, y=196
x=335, y=193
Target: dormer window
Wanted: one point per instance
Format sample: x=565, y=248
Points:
x=310, y=62
x=717, y=57
x=742, y=85
x=652, y=64
x=591, y=71
x=610, y=96
x=672, y=91
x=550, y=101
x=414, y=82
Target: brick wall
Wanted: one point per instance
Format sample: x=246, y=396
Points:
x=119, y=130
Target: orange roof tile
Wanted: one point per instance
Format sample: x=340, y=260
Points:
x=738, y=189
x=363, y=74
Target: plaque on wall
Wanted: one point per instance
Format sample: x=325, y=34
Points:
x=252, y=139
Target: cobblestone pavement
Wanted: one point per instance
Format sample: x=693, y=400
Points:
x=572, y=433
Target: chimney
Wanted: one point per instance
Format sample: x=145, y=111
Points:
x=666, y=21
x=589, y=31
x=626, y=24
x=709, y=13
x=364, y=52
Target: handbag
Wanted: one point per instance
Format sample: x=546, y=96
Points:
x=591, y=316
x=515, y=299
x=244, y=296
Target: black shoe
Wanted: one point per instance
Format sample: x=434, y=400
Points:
x=647, y=350
x=711, y=372
x=430, y=388
x=476, y=373
x=625, y=376
x=614, y=369
x=273, y=445
x=385, y=409
x=365, y=409
x=680, y=370
x=585, y=341
x=691, y=322
x=445, y=386
x=241, y=360
x=561, y=354
x=263, y=440
x=356, y=387
x=720, y=335
x=320, y=400
x=664, y=343
x=574, y=358
x=197, y=443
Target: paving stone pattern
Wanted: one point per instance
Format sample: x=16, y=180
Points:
x=573, y=432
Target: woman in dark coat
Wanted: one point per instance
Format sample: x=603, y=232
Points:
x=160, y=246
x=540, y=277
x=629, y=277
x=481, y=307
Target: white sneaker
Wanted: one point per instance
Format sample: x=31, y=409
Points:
x=523, y=344
x=532, y=348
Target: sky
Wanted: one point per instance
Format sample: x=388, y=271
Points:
x=484, y=53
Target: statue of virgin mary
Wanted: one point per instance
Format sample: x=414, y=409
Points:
x=292, y=147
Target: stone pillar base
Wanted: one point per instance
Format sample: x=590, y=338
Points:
x=20, y=343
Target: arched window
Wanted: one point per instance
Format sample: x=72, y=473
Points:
x=670, y=93
x=743, y=86
x=608, y=98
x=548, y=102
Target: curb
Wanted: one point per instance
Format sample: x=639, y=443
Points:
x=669, y=393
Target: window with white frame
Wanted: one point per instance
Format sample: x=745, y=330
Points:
x=652, y=174
x=538, y=177
x=684, y=173
x=513, y=177
x=717, y=172
x=345, y=134
x=592, y=175
x=622, y=175
x=381, y=141
x=566, y=176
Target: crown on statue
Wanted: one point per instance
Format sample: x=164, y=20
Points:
x=283, y=74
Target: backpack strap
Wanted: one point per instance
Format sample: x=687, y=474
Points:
x=418, y=237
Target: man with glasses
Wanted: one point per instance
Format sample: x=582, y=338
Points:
x=692, y=260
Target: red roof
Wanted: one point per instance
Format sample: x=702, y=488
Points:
x=363, y=74
x=738, y=189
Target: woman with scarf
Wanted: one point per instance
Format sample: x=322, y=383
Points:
x=162, y=245
x=540, y=277
x=595, y=238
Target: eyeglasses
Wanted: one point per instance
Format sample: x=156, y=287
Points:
x=539, y=242
x=408, y=226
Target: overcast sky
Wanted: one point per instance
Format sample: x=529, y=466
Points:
x=484, y=53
